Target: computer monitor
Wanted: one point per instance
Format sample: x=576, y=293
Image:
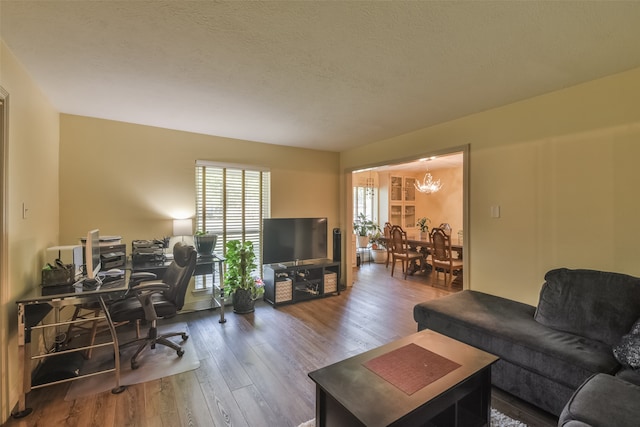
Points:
x=92, y=254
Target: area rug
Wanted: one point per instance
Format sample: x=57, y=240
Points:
x=153, y=363
x=498, y=419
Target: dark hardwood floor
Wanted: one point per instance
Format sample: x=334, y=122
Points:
x=253, y=369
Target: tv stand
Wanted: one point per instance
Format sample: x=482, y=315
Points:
x=295, y=282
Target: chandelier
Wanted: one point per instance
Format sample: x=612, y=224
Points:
x=428, y=185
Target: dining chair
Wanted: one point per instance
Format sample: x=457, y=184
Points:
x=400, y=251
x=387, y=235
x=441, y=257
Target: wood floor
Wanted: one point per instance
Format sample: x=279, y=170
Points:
x=253, y=369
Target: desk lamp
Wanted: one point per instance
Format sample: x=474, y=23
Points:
x=183, y=227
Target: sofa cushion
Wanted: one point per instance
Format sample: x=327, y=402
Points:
x=594, y=304
x=603, y=400
x=507, y=329
x=629, y=375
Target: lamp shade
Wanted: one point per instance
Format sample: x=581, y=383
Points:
x=182, y=227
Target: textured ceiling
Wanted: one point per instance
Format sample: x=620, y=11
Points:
x=325, y=75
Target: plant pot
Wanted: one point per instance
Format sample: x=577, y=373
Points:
x=363, y=241
x=243, y=302
x=424, y=235
x=205, y=244
x=379, y=256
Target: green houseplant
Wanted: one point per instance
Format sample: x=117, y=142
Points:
x=378, y=249
x=239, y=278
x=364, y=228
x=424, y=227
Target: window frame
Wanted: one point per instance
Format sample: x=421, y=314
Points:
x=237, y=200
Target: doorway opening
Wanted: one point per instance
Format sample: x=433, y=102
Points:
x=390, y=193
x=4, y=286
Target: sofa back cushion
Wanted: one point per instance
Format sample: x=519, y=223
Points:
x=595, y=304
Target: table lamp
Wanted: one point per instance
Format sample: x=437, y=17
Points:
x=183, y=227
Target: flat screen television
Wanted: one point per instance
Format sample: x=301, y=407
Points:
x=293, y=239
x=92, y=254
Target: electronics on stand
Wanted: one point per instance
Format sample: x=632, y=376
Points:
x=71, y=254
x=67, y=364
x=295, y=283
x=337, y=244
x=295, y=263
x=113, y=253
x=286, y=240
x=147, y=251
x=92, y=254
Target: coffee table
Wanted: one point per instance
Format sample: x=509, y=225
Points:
x=350, y=394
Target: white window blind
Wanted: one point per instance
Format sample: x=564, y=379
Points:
x=231, y=201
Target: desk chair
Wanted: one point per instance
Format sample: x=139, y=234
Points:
x=153, y=300
x=400, y=250
x=441, y=257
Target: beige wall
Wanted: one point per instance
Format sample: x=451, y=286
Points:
x=31, y=178
x=131, y=180
x=446, y=204
x=562, y=167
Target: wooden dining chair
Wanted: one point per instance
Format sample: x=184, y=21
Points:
x=441, y=257
x=387, y=236
x=400, y=251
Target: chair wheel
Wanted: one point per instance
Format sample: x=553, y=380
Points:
x=180, y=352
x=185, y=337
x=134, y=365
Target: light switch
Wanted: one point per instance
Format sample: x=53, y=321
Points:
x=495, y=211
x=25, y=211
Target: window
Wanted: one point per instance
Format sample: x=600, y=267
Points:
x=365, y=201
x=231, y=201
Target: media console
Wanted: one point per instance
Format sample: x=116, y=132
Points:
x=289, y=283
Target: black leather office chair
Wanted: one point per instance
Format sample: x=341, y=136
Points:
x=158, y=299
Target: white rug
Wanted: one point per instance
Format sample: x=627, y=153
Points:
x=153, y=364
x=498, y=419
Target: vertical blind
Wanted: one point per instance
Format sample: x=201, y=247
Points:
x=231, y=201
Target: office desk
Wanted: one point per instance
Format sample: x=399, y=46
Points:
x=32, y=311
x=205, y=266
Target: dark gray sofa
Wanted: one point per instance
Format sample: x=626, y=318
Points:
x=603, y=400
x=546, y=352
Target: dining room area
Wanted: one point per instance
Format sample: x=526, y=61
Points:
x=409, y=217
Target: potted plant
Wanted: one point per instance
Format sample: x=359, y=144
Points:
x=378, y=249
x=239, y=278
x=364, y=227
x=424, y=228
x=205, y=243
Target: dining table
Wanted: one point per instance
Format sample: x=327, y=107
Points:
x=423, y=247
